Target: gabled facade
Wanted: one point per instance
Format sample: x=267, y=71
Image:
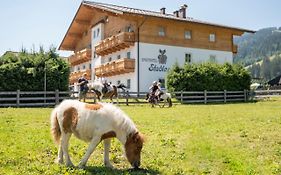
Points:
x=136, y=47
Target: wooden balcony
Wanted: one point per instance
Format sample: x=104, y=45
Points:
x=115, y=67
x=234, y=49
x=80, y=57
x=115, y=43
x=74, y=76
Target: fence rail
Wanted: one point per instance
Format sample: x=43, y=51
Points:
x=51, y=98
x=211, y=96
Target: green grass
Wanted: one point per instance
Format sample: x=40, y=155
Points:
x=239, y=138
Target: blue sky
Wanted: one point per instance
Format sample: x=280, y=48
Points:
x=31, y=23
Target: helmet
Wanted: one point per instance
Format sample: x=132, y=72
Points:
x=154, y=83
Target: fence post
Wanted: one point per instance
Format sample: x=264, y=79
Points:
x=245, y=95
x=127, y=98
x=224, y=96
x=181, y=97
x=57, y=97
x=205, y=96
x=18, y=98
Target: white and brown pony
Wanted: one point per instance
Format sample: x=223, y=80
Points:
x=102, y=92
x=94, y=123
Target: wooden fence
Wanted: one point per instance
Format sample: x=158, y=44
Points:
x=211, y=96
x=51, y=98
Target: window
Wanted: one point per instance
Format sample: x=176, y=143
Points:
x=90, y=66
x=118, y=82
x=187, y=34
x=98, y=32
x=118, y=57
x=84, y=67
x=187, y=58
x=78, y=68
x=128, y=29
x=129, y=55
x=162, y=82
x=212, y=37
x=212, y=59
x=94, y=34
x=109, y=59
x=161, y=31
x=128, y=83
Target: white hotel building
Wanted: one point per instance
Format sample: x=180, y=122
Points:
x=135, y=47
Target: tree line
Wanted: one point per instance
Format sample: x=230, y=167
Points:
x=267, y=69
x=26, y=71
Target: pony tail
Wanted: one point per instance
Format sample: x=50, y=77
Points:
x=55, y=128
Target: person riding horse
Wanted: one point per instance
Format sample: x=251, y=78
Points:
x=155, y=91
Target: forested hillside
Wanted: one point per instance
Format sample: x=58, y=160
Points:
x=260, y=53
x=255, y=47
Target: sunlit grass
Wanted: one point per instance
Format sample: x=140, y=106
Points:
x=239, y=138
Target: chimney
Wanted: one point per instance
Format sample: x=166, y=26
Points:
x=163, y=10
x=182, y=11
x=176, y=13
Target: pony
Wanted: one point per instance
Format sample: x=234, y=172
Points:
x=160, y=96
x=94, y=123
x=167, y=98
x=109, y=92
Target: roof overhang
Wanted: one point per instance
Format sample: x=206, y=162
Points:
x=82, y=21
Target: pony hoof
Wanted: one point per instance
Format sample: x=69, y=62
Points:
x=69, y=164
x=108, y=165
x=59, y=161
x=81, y=166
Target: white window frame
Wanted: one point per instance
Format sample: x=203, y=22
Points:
x=128, y=83
x=187, y=34
x=212, y=37
x=190, y=58
x=213, y=59
x=161, y=31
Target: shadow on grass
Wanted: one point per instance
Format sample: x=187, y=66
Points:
x=105, y=170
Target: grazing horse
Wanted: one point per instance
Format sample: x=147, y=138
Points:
x=94, y=123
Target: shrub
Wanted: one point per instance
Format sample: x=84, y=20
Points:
x=25, y=71
x=208, y=76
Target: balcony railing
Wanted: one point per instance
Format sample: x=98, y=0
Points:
x=234, y=49
x=115, y=67
x=74, y=76
x=115, y=43
x=80, y=57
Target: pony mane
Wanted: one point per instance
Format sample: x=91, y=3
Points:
x=122, y=120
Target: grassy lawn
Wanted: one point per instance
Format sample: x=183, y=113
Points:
x=239, y=138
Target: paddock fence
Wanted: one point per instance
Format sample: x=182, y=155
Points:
x=51, y=98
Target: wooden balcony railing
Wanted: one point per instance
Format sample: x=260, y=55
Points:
x=115, y=67
x=234, y=49
x=80, y=57
x=74, y=76
x=115, y=43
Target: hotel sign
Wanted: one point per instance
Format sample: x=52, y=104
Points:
x=157, y=64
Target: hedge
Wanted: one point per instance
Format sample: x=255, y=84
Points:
x=25, y=71
x=208, y=76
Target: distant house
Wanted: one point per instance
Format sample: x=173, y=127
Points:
x=135, y=47
x=275, y=81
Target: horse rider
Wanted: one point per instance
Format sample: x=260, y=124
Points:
x=154, y=88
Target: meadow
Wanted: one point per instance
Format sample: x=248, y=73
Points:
x=238, y=138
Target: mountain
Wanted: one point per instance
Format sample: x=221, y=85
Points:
x=255, y=47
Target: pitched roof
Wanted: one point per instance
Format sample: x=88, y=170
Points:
x=121, y=10
x=68, y=42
